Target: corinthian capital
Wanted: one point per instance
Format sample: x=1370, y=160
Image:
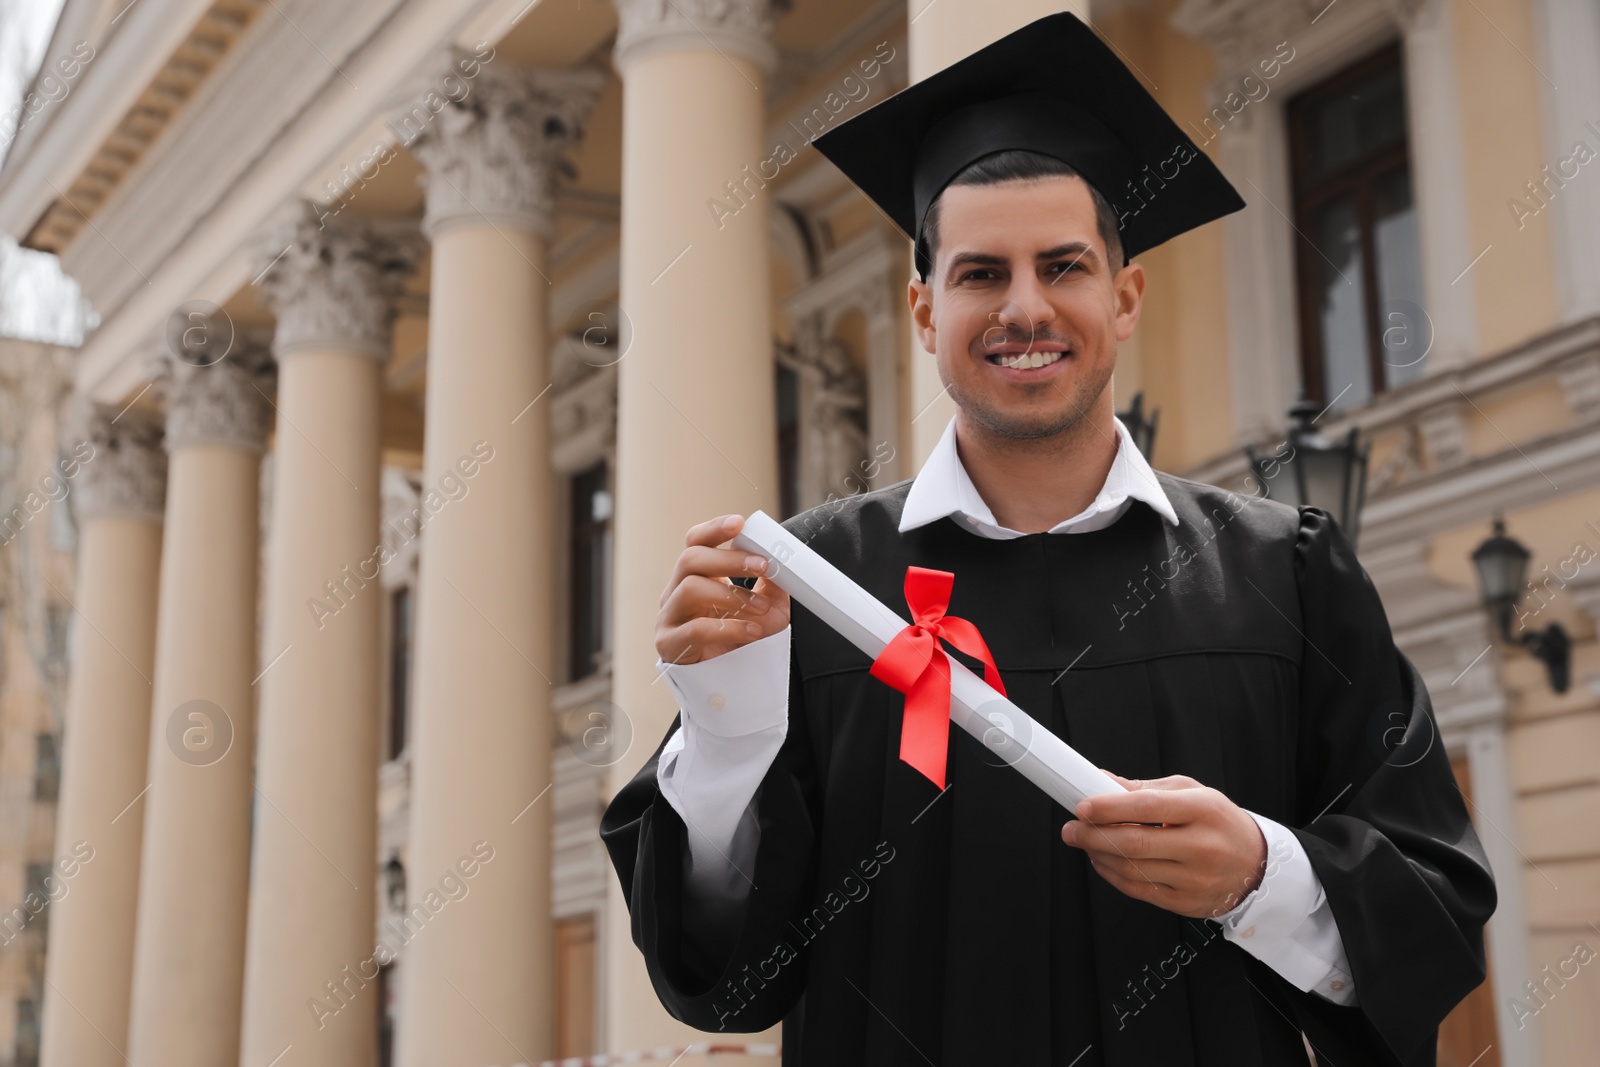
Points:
x=735, y=27
x=332, y=278
x=493, y=142
x=224, y=402
x=118, y=461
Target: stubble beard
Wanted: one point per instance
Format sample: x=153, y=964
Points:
x=1022, y=426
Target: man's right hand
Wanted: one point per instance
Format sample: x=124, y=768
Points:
x=703, y=614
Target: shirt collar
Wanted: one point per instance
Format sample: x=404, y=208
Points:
x=943, y=488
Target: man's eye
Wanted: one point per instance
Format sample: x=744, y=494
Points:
x=979, y=275
x=1067, y=264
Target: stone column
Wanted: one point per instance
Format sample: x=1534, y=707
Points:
x=100, y=814
x=938, y=35
x=700, y=370
x=477, y=977
x=1569, y=53
x=311, y=960
x=193, y=878
x=1439, y=173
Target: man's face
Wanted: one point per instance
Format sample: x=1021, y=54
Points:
x=1022, y=273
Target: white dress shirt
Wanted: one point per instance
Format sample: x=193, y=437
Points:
x=735, y=717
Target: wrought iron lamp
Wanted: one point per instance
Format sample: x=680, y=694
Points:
x=1331, y=475
x=1502, y=565
x=1141, y=429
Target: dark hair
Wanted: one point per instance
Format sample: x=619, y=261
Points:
x=1013, y=165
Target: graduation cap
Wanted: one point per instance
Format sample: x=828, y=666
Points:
x=1052, y=87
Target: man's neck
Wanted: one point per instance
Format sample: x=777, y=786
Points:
x=1034, y=486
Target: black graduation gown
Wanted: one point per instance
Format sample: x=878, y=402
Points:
x=890, y=924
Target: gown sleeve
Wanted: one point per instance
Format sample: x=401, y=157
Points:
x=1382, y=820
x=733, y=715
x=704, y=981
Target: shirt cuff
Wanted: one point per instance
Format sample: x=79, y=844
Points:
x=735, y=711
x=739, y=692
x=1286, y=922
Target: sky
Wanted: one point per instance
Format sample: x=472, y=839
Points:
x=37, y=301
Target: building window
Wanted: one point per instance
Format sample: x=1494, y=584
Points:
x=788, y=390
x=46, y=768
x=1358, y=259
x=27, y=1044
x=58, y=639
x=400, y=637
x=590, y=546
x=36, y=900
x=386, y=997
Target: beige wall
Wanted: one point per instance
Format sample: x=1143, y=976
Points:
x=1182, y=338
x=1552, y=743
x=1499, y=88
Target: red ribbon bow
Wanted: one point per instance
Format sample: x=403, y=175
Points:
x=915, y=664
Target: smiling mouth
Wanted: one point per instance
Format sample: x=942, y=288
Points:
x=1025, y=360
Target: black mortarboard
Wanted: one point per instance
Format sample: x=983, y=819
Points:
x=1051, y=87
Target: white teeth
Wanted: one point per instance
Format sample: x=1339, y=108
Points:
x=1029, y=360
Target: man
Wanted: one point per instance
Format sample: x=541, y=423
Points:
x=1291, y=856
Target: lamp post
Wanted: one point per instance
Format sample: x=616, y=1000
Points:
x=1141, y=429
x=1502, y=565
x=1331, y=475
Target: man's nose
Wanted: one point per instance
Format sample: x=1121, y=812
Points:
x=1027, y=306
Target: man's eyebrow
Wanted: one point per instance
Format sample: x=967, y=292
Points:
x=981, y=259
x=1079, y=250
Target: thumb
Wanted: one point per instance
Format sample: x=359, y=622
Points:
x=1170, y=782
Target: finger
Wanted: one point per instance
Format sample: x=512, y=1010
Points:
x=776, y=617
x=705, y=638
x=1130, y=841
x=1163, y=873
x=697, y=596
x=714, y=532
x=1150, y=803
x=1137, y=888
x=714, y=563
x=773, y=592
x=1170, y=782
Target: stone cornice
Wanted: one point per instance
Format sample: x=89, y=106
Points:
x=182, y=224
x=494, y=148
x=333, y=279
x=1544, y=355
x=184, y=71
x=740, y=28
x=1242, y=33
x=1236, y=30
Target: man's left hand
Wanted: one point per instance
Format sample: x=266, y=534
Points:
x=1203, y=855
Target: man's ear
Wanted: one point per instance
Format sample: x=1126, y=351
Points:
x=920, y=296
x=1127, y=288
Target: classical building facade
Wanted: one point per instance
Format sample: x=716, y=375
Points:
x=426, y=327
x=37, y=544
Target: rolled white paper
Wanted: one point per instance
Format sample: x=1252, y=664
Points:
x=975, y=706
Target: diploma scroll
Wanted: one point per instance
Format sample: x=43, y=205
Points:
x=1036, y=753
